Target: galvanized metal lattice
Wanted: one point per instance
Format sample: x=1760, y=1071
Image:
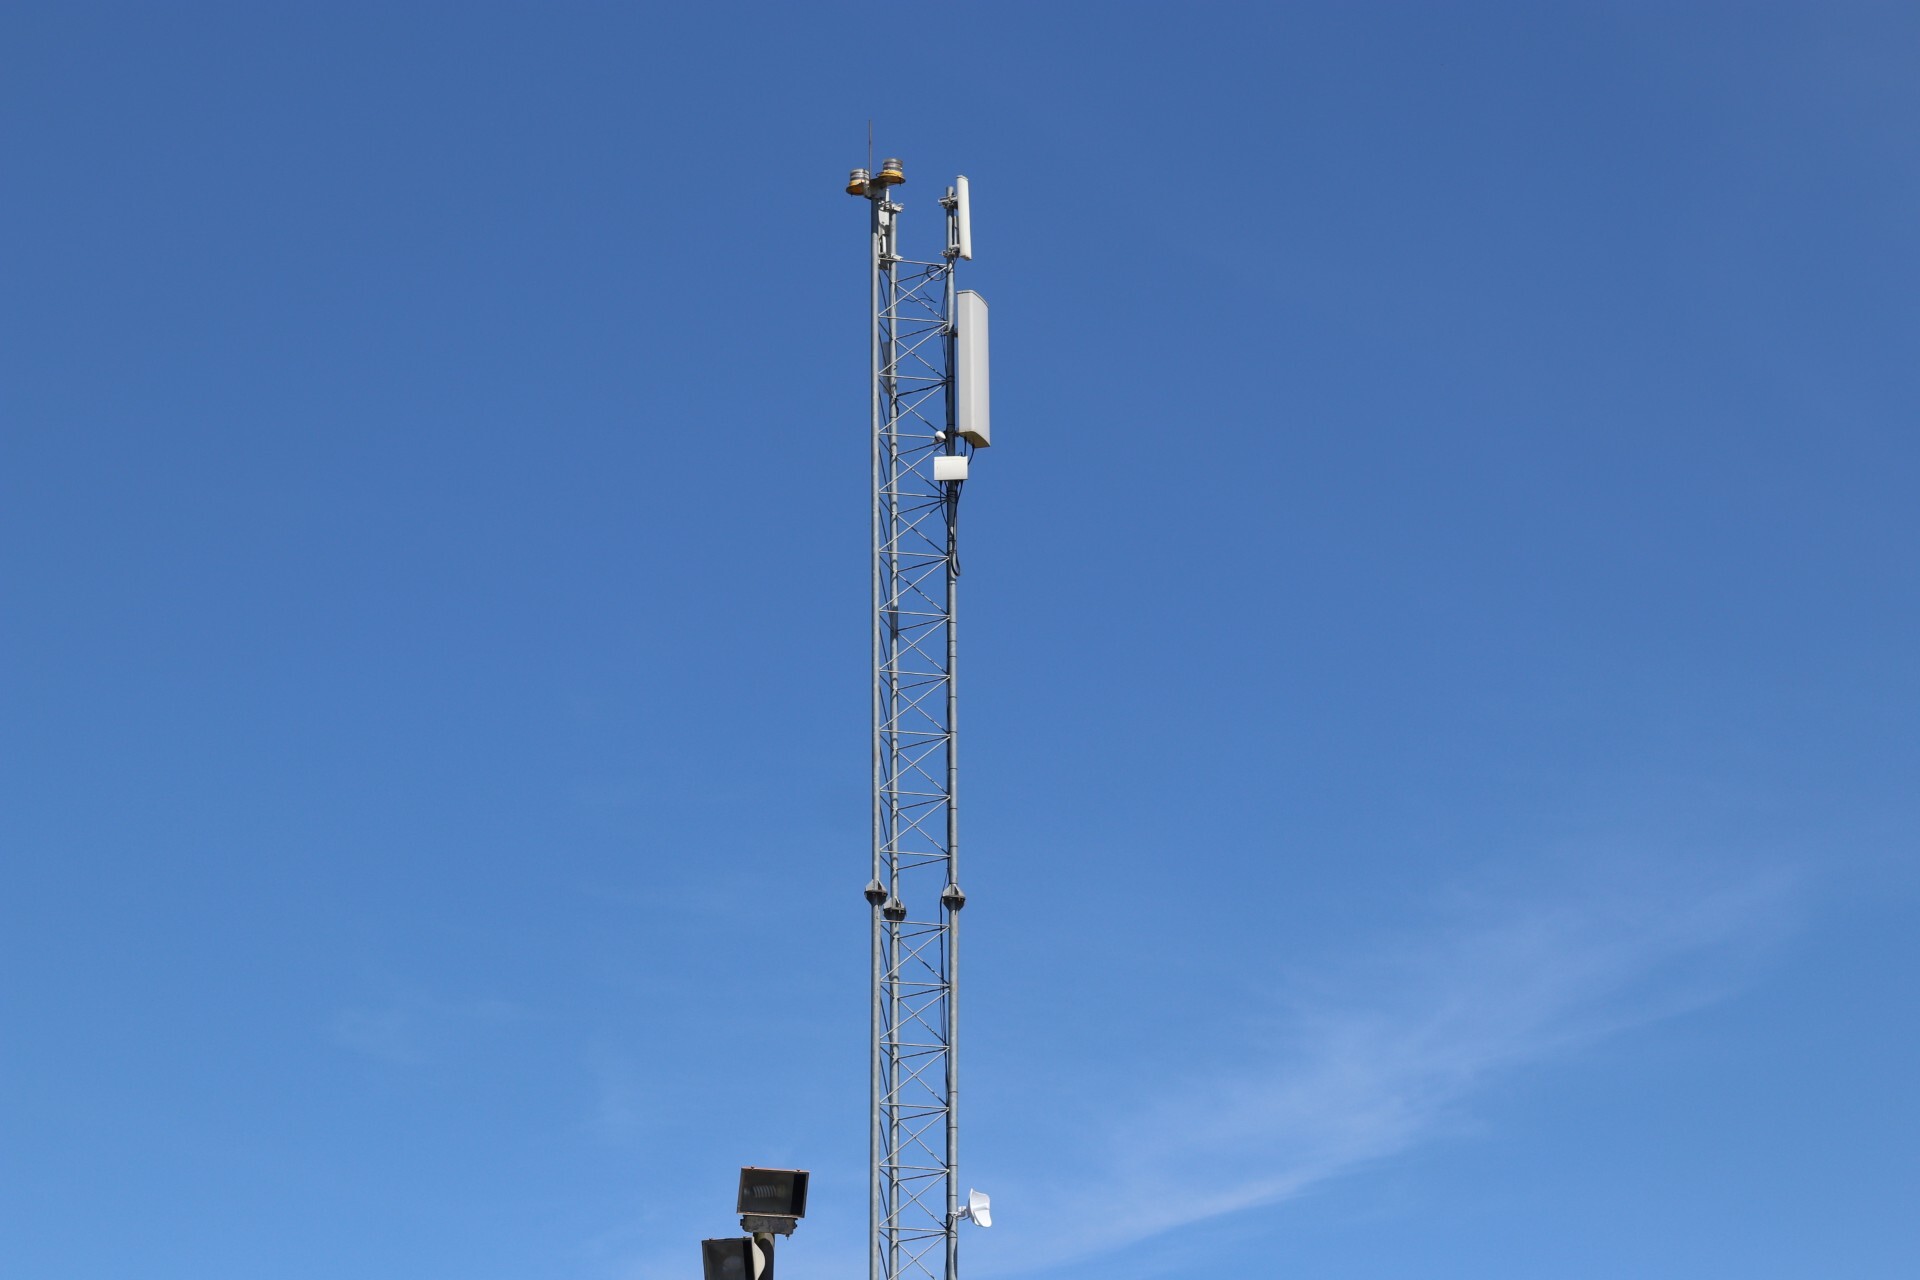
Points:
x=914, y=1135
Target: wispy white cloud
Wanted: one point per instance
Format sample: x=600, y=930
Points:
x=1375, y=1056
x=391, y=1034
x=408, y=1029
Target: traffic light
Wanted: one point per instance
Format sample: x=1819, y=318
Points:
x=736, y=1258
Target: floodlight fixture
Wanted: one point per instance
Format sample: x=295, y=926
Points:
x=734, y=1258
x=774, y=1193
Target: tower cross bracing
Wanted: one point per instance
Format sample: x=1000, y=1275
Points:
x=914, y=1190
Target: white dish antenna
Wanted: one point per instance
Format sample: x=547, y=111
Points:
x=978, y=1209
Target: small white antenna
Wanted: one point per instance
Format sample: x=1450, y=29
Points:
x=978, y=1209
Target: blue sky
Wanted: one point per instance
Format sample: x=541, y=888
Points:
x=1438, y=649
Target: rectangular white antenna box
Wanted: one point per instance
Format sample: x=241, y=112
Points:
x=963, y=218
x=970, y=416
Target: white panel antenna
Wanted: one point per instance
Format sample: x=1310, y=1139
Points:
x=970, y=381
x=963, y=217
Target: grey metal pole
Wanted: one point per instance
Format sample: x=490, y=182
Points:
x=890, y=376
x=952, y=906
x=952, y=909
x=873, y=995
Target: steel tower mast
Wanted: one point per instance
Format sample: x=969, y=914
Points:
x=928, y=368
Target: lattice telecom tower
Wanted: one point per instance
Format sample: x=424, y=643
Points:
x=929, y=404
